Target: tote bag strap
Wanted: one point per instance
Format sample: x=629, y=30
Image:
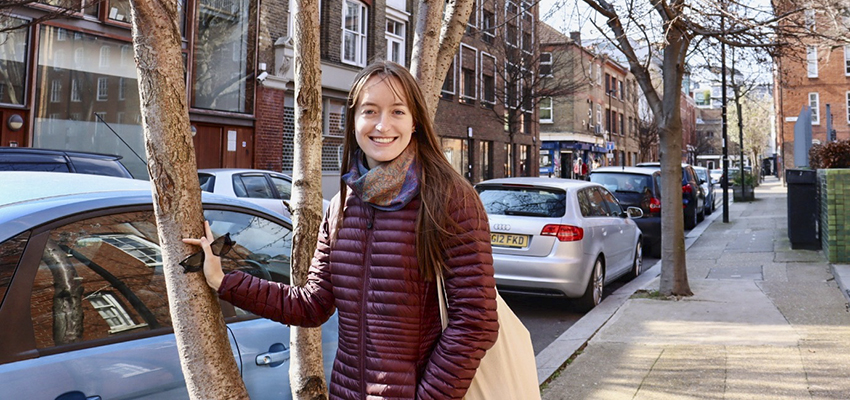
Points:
x=441, y=295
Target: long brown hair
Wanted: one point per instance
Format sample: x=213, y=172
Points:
x=440, y=184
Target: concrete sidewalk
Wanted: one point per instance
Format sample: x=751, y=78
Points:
x=765, y=322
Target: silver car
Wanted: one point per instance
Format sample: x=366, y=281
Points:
x=559, y=237
x=267, y=189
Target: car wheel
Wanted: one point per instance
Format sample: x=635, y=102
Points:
x=691, y=218
x=637, y=264
x=593, y=293
x=701, y=214
x=709, y=207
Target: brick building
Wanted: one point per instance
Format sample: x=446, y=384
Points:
x=72, y=82
x=816, y=75
x=602, y=108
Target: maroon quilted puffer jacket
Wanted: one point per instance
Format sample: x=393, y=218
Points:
x=390, y=342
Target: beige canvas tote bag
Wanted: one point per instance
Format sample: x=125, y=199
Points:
x=508, y=370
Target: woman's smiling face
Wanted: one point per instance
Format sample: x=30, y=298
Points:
x=383, y=124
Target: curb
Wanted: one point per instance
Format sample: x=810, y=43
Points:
x=555, y=356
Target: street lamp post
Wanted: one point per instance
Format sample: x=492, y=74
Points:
x=610, y=119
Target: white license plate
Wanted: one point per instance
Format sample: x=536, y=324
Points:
x=509, y=240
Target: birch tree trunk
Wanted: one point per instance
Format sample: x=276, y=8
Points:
x=306, y=372
x=205, y=355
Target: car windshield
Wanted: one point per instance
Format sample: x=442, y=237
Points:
x=701, y=173
x=623, y=182
x=525, y=201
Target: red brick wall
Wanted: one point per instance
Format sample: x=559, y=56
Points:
x=268, y=133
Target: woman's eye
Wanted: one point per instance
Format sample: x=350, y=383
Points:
x=399, y=112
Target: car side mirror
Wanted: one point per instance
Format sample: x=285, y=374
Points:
x=633, y=213
x=701, y=181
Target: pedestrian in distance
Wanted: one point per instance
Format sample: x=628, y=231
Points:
x=403, y=215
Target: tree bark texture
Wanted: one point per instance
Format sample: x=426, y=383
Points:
x=205, y=354
x=436, y=41
x=306, y=370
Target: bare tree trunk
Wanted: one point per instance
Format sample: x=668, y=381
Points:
x=674, y=272
x=306, y=371
x=205, y=355
x=67, y=296
x=432, y=54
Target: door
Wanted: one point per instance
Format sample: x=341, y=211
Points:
x=16, y=137
x=208, y=141
x=238, y=147
x=607, y=230
x=622, y=231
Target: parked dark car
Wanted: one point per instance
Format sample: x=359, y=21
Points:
x=34, y=159
x=707, y=187
x=637, y=187
x=83, y=300
x=693, y=197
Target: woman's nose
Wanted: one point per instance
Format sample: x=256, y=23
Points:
x=379, y=127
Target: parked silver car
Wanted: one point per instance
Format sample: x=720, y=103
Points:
x=83, y=300
x=559, y=237
x=268, y=189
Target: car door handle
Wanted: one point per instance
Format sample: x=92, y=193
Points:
x=76, y=395
x=273, y=358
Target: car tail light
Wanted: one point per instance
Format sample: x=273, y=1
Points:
x=564, y=233
x=654, y=205
x=687, y=189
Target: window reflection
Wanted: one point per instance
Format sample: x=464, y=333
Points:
x=13, y=60
x=224, y=55
x=81, y=85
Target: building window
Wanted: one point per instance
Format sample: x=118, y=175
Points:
x=485, y=154
x=102, y=89
x=488, y=19
x=814, y=105
x=812, y=61
x=112, y=312
x=223, y=70
x=809, y=19
x=622, y=125
x=598, y=118
x=508, y=160
x=448, y=90
x=75, y=91
x=488, y=79
x=121, y=88
x=545, y=64
x=523, y=160
x=622, y=92
x=354, y=21
x=139, y=248
x=511, y=30
x=119, y=10
x=847, y=95
x=472, y=24
x=847, y=60
x=395, y=41
x=55, y=91
x=104, y=56
x=468, y=65
x=546, y=110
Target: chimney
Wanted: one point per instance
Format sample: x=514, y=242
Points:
x=575, y=36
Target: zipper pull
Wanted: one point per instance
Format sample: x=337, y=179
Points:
x=371, y=218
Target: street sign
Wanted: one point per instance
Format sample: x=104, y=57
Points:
x=610, y=146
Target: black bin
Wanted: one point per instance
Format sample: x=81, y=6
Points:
x=803, y=209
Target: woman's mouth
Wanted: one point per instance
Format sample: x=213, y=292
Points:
x=383, y=140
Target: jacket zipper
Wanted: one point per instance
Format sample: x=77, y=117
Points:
x=364, y=297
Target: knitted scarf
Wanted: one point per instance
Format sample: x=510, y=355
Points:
x=390, y=185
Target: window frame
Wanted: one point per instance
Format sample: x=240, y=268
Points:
x=815, y=96
x=550, y=108
x=453, y=72
x=812, y=61
x=546, y=63
x=361, y=37
x=396, y=38
x=464, y=97
x=481, y=57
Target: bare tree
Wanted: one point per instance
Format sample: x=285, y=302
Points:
x=205, y=355
x=647, y=137
x=307, y=375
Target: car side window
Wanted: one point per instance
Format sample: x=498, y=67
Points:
x=283, y=186
x=611, y=203
x=263, y=247
x=583, y=203
x=597, y=203
x=254, y=186
x=103, y=277
x=99, y=278
x=10, y=254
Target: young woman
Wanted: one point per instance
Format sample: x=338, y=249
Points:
x=403, y=215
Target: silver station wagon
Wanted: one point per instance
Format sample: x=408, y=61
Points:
x=559, y=237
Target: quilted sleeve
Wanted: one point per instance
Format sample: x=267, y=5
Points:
x=473, y=324
x=307, y=306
